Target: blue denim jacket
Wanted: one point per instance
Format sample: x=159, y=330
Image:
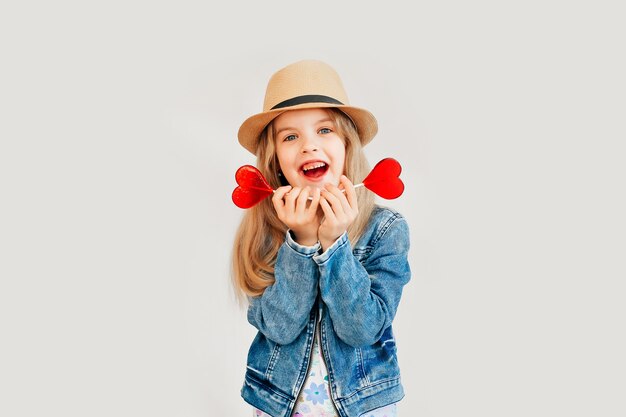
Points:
x=356, y=292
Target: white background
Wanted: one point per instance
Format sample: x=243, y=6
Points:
x=118, y=126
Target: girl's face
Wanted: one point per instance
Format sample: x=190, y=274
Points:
x=310, y=151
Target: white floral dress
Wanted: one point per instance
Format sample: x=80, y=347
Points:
x=314, y=399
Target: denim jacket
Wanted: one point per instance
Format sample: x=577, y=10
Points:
x=355, y=293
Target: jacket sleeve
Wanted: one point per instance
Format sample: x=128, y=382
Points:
x=282, y=311
x=362, y=300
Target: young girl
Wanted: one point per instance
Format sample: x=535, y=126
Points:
x=322, y=266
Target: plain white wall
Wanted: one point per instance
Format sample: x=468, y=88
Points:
x=118, y=149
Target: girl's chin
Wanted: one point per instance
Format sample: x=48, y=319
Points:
x=318, y=184
x=303, y=181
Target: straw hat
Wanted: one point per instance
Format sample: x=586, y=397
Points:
x=303, y=85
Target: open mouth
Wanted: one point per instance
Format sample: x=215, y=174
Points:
x=314, y=169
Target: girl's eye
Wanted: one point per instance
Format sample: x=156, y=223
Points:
x=325, y=130
x=290, y=137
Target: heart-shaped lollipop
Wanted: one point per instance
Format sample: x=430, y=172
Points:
x=384, y=179
x=253, y=187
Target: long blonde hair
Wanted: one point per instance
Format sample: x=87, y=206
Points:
x=261, y=233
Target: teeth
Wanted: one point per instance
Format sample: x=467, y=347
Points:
x=313, y=166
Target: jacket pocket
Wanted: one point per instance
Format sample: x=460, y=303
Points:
x=380, y=361
x=262, y=358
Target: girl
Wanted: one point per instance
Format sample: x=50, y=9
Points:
x=321, y=265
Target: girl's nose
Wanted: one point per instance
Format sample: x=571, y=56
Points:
x=309, y=144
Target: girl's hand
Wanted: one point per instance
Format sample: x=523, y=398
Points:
x=340, y=211
x=298, y=213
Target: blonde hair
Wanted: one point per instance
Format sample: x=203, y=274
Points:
x=261, y=233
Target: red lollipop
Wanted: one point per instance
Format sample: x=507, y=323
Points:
x=383, y=180
x=252, y=187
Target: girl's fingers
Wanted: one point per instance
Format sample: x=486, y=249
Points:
x=341, y=197
x=280, y=192
x=277, y=198
x=350, y=192
x=329, y=214
x=315, y=199
x=302, y=201
x=290, y=199
x=335, y=204
x=336, y=199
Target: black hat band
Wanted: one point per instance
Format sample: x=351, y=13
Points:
x=311, y=98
